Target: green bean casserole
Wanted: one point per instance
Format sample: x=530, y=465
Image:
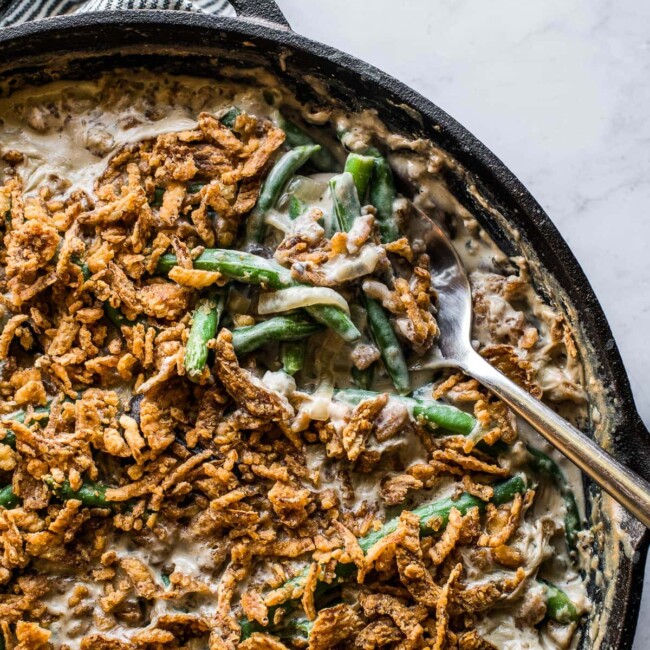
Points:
x=221, y=425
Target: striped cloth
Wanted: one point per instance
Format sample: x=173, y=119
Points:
x=14, y=12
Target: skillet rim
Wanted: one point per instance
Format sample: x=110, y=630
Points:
x=28, y=39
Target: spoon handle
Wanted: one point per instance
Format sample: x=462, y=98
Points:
x=630, y=490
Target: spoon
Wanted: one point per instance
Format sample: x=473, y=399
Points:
x=455, y=321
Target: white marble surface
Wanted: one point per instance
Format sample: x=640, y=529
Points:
x=560, y=91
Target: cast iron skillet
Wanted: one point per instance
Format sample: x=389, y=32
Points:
x=83, y=45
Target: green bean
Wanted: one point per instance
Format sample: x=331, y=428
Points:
x=336, y=319
x=433, y=517
x=546, y=466
x=572, y=520
x=116, y=317
x=278, y=177
x=346, y=201
x=236, y=265
x=249, y=627
x=204, y=327
x=90, y=494
x=427, y=411
x=279, y=328
x=363, y=378
x=382, y=196
x=344, y=190
x=252, y=269
x=543, y=464
x=19, y=416
x=324, y=160
x=390, y=348
x=159, y=193
x=9, y=439
x=193, y=188
x=157, y=198
x=296, y=207
x=113, y=314
x=8, y=498
x=361, y=168
x=295, y=628
x=559, y=607
x=85, y=271
x=228, y=119
x=292, y=356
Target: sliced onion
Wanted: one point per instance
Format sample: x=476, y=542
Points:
x=320, y=402
x=295, y=297
x=348, y=268
x=280, y=382
x=279, y=221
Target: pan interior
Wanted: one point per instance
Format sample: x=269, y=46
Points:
x=512, y=220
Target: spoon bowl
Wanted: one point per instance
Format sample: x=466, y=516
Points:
x=450, y=280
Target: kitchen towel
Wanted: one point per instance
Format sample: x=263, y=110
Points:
x=14, y=12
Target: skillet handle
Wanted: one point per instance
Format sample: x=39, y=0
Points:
x=260, y=10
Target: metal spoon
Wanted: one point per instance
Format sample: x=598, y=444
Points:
x=455, y=321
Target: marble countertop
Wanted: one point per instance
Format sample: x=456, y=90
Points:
x=559, y=91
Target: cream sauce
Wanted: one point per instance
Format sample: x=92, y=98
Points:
x=189, y=557
x=70, y=146
x=69, y=130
